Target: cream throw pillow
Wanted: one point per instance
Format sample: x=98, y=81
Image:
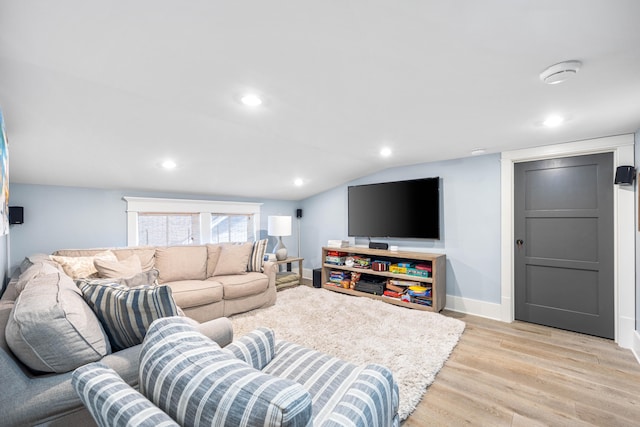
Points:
x=80, y=267
x=233, y=259
x=114, y=269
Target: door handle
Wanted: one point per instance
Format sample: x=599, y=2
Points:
x=519, y=243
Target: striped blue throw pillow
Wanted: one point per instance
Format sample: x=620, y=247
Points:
x=256, y=348
x=257, y=255
x=112, y=402
x=192, y=379
x=126, y=313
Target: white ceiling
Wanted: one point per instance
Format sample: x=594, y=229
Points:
x=99, y=93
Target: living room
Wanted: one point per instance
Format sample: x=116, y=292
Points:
x=115, y=85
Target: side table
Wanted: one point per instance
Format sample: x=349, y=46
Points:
x=288, y=278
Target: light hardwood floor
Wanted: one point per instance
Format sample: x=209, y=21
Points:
x=521, y=374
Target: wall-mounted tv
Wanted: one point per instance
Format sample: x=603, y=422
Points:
x=403, y=209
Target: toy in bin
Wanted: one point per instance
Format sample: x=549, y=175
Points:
x=419, y=291
x=380, y=265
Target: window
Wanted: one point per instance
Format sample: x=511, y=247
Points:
x=156, y=229
x=232, y=228
x=168, y=222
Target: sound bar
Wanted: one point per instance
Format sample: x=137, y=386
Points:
x=378, y=245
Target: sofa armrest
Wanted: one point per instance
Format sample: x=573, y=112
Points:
x=372, y=399
x=111, y=401
x=270, y=269
x=256, y=348
x=220, y=330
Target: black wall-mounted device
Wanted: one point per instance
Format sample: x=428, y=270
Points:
x=625, y=175
x=298, y=213
x=16, y=215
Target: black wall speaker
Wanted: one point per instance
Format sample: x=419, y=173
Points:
x=625, y=175
x=16, y=215
x=317, y=277
x=298, y=213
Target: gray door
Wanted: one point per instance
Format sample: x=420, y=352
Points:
x=564, y=243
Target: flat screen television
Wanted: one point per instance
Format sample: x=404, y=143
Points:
x=403, y=209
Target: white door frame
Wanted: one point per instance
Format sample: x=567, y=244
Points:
x=623, y=223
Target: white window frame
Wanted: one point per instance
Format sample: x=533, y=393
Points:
x=205, y=208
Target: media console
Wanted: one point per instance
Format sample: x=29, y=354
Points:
x=436, y=282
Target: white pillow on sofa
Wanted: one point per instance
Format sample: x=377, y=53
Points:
x=52, y=329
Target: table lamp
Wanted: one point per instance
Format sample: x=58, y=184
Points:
x=279, y=226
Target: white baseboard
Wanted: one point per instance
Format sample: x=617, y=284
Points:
x=635, y=348
x=489, y=310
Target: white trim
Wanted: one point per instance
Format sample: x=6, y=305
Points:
x=204, y=207
x=490, y=310
x=624, y=228
x=635, y=348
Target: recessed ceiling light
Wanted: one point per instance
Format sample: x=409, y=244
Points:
x=385, y=152
x=298, y=182
x=553, y=121
x=169, y=164
x=559, y=73
x=251, y=100
x=478, y=151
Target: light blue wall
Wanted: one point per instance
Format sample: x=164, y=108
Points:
x=70, y=217
x=470, y=222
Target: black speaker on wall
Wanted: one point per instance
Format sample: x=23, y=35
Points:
x=298, y=213
x=16, y=215
x=625, y=175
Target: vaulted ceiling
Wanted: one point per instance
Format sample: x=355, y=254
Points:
x=99, y=94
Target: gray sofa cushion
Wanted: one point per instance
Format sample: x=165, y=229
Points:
x=190, y=378
x=50, y=311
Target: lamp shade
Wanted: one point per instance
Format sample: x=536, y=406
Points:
x=279, y=226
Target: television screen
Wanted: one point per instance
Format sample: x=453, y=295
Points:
x=405, y=209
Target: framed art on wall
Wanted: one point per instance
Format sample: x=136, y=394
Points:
x=4, y=179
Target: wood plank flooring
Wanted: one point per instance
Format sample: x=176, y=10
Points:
x=521, y=374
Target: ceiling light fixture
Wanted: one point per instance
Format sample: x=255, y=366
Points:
x=478, y=151
x=560, y=72
x=385, y=152
x=553, y=121
x=251, y=100
x=298, y=182
x=169, y=164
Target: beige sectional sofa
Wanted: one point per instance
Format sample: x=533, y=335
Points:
x=47, y=328
x=207, y=281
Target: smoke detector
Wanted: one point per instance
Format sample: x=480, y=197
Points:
x=558, y=73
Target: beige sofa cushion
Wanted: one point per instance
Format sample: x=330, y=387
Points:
x=181, y=263
x=147, y=255
x=113, y=269
x=213, y=254
x=233, y=259
x=194, y=293
x=78, y=267
x=49, y=312
x=239, y=286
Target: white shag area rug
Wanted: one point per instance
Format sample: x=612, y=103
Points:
x=414, y=344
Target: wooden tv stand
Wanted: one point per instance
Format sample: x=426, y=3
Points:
x=436, y=281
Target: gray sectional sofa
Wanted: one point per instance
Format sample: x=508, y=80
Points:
x=47, y=329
